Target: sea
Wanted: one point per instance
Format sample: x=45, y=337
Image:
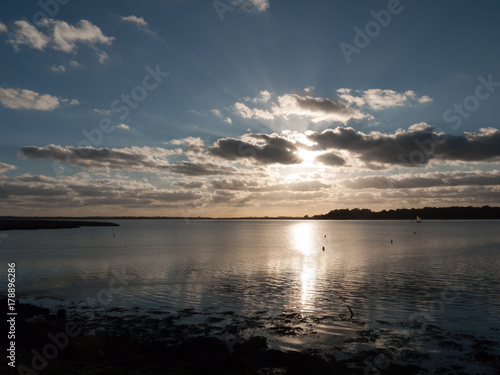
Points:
x=392, y=279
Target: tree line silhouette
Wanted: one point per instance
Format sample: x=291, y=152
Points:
x=426, y=213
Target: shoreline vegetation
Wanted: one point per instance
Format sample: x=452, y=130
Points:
x=30, y=224
x=426, y=213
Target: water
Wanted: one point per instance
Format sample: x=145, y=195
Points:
x=447, y=273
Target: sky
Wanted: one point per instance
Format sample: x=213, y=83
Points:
x=233, y=108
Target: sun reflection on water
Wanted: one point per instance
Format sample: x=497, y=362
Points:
x=304, y=241
x=303, y=238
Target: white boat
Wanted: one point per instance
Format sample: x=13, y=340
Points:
x=419, y=220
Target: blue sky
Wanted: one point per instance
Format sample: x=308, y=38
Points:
x=247, y=107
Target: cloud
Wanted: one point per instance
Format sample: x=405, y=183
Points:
x=82, y=191
x=315, y=109
x=253, y=185
x=65, y=37
x=415, y=147
x=331, y=159
x=103, y=56
x=103, y=112
x=27, y=34
x=3, y=28
x=201, y=169
x=58, y=35
x=255, y=5
x=189, y=184
x=198, y=113
x=6, y=167
x=339, y=147
x=264, y=149
x=58, y=69
x=193, y=146
x=244, y=111
x=378, y=99
x=288, y=196
x=218, y=114
x=145, y=159
x=426, y=180
x=264, y=96
x=139, y=21
x=16, y=98
x=348, y=105
x=142, y=24
x=123, y=127
x=129, y=158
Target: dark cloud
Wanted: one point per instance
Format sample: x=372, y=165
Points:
x=426, y=181
x=222, y=196
x=189, y=184
x=330, y=158
x=145, y=159
x=325, y=105
x=414, y=147
x=254, y=186
x=200, y=169
x=133, y=158
x=272, y=149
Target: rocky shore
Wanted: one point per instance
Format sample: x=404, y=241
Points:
x=120, y=341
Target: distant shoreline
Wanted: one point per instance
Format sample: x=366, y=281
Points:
x=427, y=213
x=30, y=224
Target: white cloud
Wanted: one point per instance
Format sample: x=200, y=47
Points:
x=103, y=112
x=139, y=21
x=70, y=102
x=65, y=37
x=74, y=64
x=218, y=114
x=425, y=99
x=142, y=24
x=264, y=96
x=255, y=5
x=244, y=111
x=27, y=99
x=123, y=126
x=103, y=56
x=27, y=34
x=58, y=69
x=6, y=167
x=58, y=35
x=378, y=99
x=315, y=109
x=3, y=27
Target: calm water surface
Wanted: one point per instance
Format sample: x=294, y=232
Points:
x=447, y=270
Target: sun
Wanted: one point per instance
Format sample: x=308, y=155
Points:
x=308, y=156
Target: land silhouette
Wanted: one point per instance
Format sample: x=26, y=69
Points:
x=427, y=213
